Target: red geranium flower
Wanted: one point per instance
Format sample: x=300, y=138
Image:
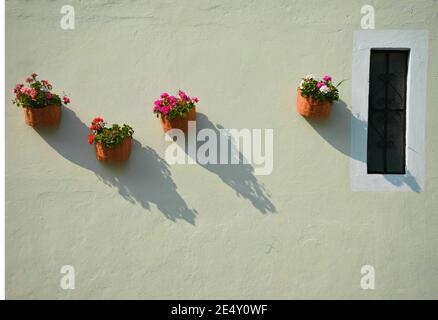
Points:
x=94, y=127
x=90, y=138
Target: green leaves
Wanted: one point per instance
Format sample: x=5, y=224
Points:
x=180, y=110
x=114, y=135
x=340, y=83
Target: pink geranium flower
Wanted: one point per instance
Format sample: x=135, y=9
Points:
x=174, y=106
x=25, y=90
x=320, y=84
x=33, y=93
x=327, y=78
x=183, y=95
x=18, y=87
x=166, y=109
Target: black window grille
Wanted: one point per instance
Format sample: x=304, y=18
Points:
x=387, y=112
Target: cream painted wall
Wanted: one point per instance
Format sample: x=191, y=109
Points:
x=148, y=230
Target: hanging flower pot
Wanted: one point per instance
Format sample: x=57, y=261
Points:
x=41, y=107
x=119, y=152
x=111, y=143
x=42, y=117
x=312, y=108
x=180, y=122
x=315, y=97
x=175, y=112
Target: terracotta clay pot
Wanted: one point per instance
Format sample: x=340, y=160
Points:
x=42, y=117
x=312, y=108
x=179, y=122
x=119, y=152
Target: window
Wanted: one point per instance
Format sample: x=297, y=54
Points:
x=389, y=81
x=387, y=112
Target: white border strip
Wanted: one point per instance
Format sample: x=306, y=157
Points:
x=417, y=42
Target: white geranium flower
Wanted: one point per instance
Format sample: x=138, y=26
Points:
x=301, y=84
x=324, y=89
x=309, y=77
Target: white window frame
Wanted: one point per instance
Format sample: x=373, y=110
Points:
x=416, y=41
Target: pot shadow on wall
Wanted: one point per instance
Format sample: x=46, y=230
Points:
x=144, y=179
x=336, y=130
x=240, y=177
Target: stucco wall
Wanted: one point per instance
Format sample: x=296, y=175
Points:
x=149, y=230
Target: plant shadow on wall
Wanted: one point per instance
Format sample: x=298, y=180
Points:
x=144, y=179
x=336, y=130
x=240, y=177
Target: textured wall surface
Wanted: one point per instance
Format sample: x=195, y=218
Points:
x=150, y=230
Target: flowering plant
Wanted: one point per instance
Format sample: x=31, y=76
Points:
x=108, y=136
x=322, y=90
x=172, y=107
x=36, y=94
